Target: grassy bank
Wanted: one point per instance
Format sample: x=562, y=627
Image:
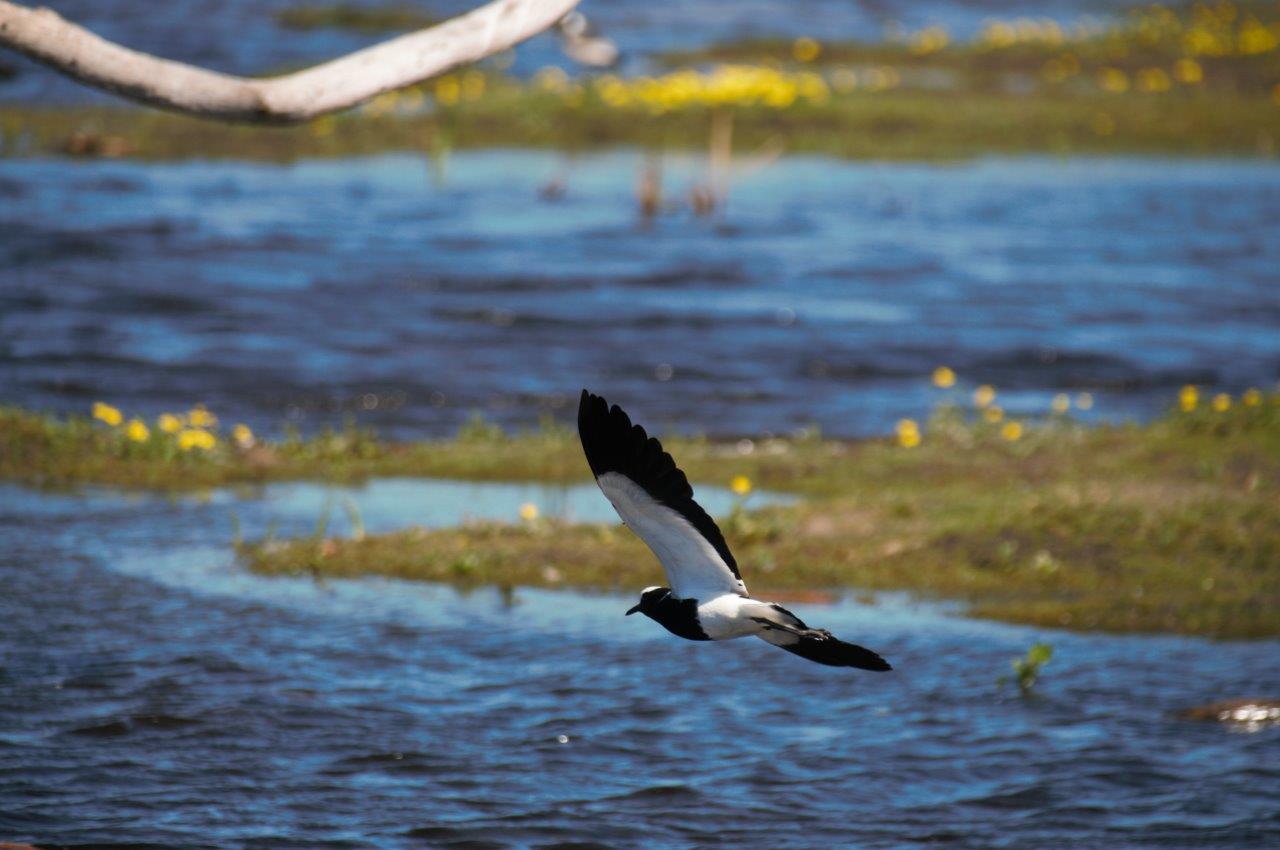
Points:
x=1172, y=526
x=190, y=451
x=1168, y=526
x=1162, y=83
x=906, y=125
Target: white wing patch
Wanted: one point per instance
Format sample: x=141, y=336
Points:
x=694, y=568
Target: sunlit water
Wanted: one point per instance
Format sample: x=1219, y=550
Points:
x=152, y=692
x=824, y=294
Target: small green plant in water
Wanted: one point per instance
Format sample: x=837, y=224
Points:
x=1026, y=670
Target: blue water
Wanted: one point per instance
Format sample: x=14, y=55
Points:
x=823, y=295
x=152, y=693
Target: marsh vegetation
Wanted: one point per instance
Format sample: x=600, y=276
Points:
x=1168, y=526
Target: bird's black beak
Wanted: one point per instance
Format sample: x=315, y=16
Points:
x=633, y=610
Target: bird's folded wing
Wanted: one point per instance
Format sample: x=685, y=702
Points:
x=654, y=499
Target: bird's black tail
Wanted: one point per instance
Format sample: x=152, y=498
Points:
x=836, y=653
x=787, y=631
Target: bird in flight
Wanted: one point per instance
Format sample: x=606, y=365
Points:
x=707, y=599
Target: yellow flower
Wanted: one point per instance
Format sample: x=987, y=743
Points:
x=199, y=417
x=929, y=40
x=1251, y=397
x=998, y=34
x=1084, y=401
x=104, y=412
x=1255, y=38
x=195, y=438
x=1113, y=80
x=993, y=413
x=448, y=90
x=528, y=512
x=943, y=377
x=1011, y=431
x=1153, y=80
x=169, y=423
x=984, y=395
x=1222, y=402
x=740, y=485
x=1061, y=403
x=242, y=435
x=1188, y=398
x=1188, y=72
x=805, y=49
x=908, y=433
x=137, y=431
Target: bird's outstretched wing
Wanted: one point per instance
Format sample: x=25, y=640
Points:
x=654, y=499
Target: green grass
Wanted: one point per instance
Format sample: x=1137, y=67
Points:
x=60, y=453
x=1172, y=526
x=1169, y=526
x=888, y=125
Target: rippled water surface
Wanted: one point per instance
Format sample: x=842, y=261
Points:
x=824, y=293
x=153, y=693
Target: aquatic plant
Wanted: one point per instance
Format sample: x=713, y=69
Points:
x=1026, y=669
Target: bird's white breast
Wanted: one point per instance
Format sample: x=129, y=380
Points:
x=730, y=616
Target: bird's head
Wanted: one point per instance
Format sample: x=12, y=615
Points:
x=650, y=598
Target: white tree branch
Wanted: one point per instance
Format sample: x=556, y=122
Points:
x=338, y=84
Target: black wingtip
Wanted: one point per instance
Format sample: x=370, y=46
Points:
x=865, y=659
x=836, y=653
x=613, y=443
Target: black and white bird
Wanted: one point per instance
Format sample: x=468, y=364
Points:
x=707, y=599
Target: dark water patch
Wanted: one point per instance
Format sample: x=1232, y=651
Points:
x=12, y=189
x=152, y=304
x=690, y=275
x=1055, y=368
x=409, y=763
x=23, y=301
x=908, y=270
x=497, y=285
x=453, y=837
x=1032, y=797
x=31, y=248
x=110, y=184
x=847, y=371
x=109, y=729
x=132, y=724
x=661, y=795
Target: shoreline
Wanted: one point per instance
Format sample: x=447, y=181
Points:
x=1171, y=526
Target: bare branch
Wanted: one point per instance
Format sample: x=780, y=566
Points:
x=338, y=84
